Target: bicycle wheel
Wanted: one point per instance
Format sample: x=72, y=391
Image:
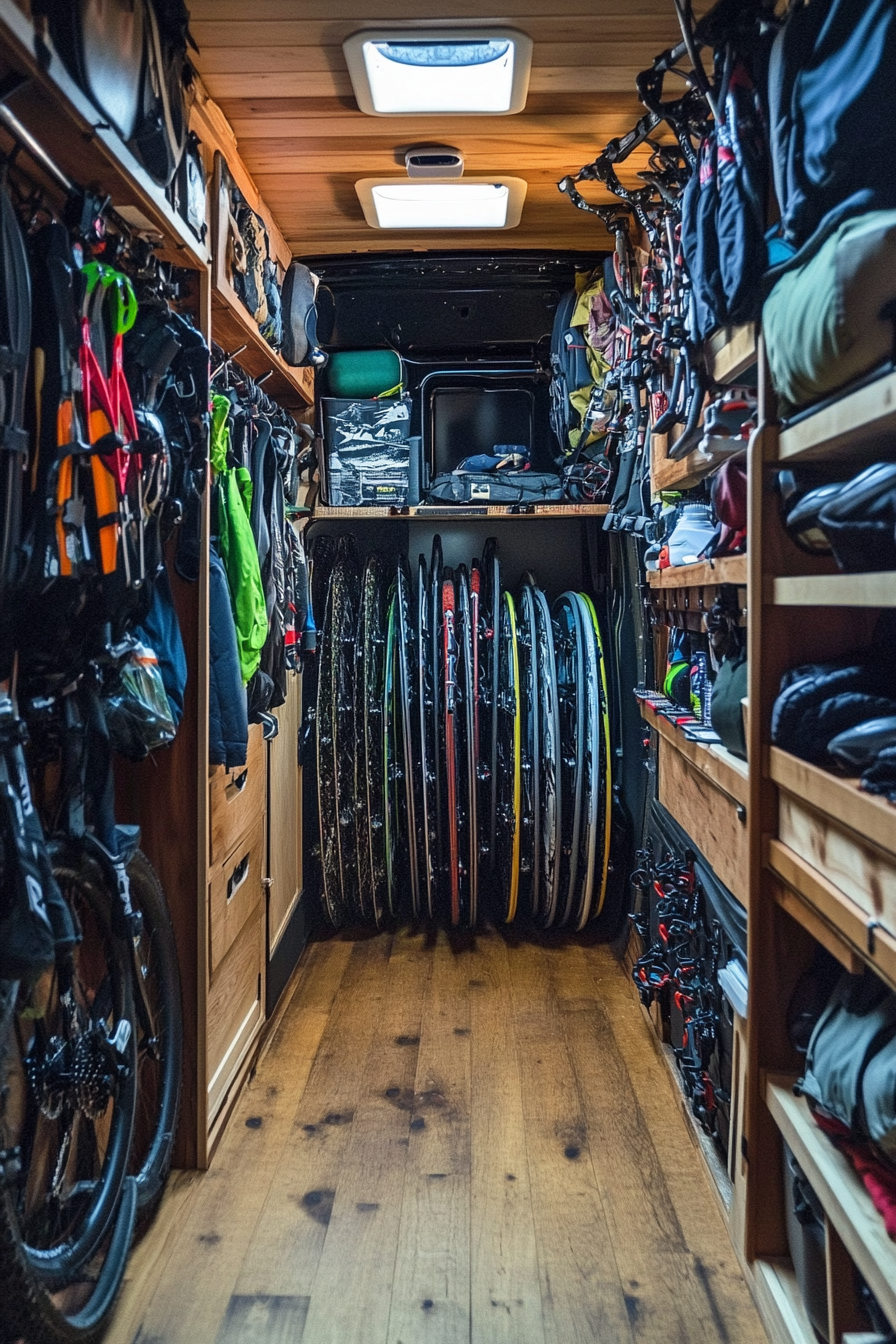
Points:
x=466, y=730
x=331, y=890
x=406, y=686
x=70, y=1083
x=344, y=637
x=368, y=720
x=530, y=846
x=508, y=830
x=159, y=1018
x=550, y=815
x=570, y=678
x=592, y=764
x=428, y=802
x=490, y=617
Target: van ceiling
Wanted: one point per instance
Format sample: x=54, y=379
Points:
x=281, y=79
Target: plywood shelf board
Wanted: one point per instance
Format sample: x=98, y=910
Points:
x=816, y=901
x=859, y=419
x=232, y=328
x=777, y=1293
x=871, y=818
x=840, y=1191
x=727, y=569
x=726, y=771
x=461, y=514
x=834, y=590
x=686, y=472
x=51, y=106
x=731, y=352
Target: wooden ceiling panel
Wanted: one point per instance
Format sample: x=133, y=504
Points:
x=281, y=80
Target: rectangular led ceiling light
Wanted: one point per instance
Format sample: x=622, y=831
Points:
x=468, y=71
x=469, y=203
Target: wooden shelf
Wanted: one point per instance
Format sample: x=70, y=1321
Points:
x=461, y=512
x=73, y=133
x=860, y=419
x=728, y=772
x=834, y=590
x=731, y=352
x=687, y=472
x=872, y=818
x=780, y=1302
x=840, y=1191
x=727, y=569
x=232, y=327
x=829, y=915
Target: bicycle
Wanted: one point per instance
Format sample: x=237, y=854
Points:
x=91, y=1050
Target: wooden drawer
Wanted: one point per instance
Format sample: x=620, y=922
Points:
x=235, y=892
x=235, y=1009
x=237, y=798
x=708, y=814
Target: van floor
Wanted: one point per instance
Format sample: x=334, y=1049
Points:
x=447, y=1141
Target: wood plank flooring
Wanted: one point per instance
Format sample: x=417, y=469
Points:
x=447, y=1142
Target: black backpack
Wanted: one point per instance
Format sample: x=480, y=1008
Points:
x=831, y=80
x=569, y=369
x=298, y=300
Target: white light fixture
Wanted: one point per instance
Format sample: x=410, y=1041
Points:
x=471, y=203
x=434, y=71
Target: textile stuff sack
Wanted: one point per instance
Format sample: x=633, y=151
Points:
x=361, y=374
x=830, y=321
x=729, y=503
x=831, y=78
x=102, y=44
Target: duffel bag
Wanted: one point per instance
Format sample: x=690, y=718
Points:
x=830, y=321
x=495, y=487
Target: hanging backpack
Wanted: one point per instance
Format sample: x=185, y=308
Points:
x=831, y=77
x=569, y=370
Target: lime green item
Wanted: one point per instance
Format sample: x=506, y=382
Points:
x=236, y=544
x=361, y=374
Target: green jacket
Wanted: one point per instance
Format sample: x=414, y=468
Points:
x=236, y=544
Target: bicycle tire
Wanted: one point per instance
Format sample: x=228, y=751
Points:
x=490, y=608
x=368, y=721
x=331, y=891
x=54, y=1238
x=344, y=633
x=570, y=676
x=508, y=835
x=406, y=689
x=530, y=845
x=428, y=801
x=159, y=1078
x=550, y=803
x=468, y=823
x=592, y=772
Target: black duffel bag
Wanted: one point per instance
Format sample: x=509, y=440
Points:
x=495, y=487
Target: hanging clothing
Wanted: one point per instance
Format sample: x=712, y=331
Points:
x=236, y=543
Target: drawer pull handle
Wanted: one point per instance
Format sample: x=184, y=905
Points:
x=237, y=784
x=237, y=877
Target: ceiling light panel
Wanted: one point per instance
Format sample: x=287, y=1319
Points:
x=471, y=203
x=435, y=71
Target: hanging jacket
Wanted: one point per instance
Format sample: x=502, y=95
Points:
x=233, y=488
x=228, y=720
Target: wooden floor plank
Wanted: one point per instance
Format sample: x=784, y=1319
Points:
x=447, y=1142
x=285, y=1249
x=581, y=1293
x=674, y=1295
x=201, y=1254
x=505, y=1300
x=388, y=1116
x=431, y=1291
